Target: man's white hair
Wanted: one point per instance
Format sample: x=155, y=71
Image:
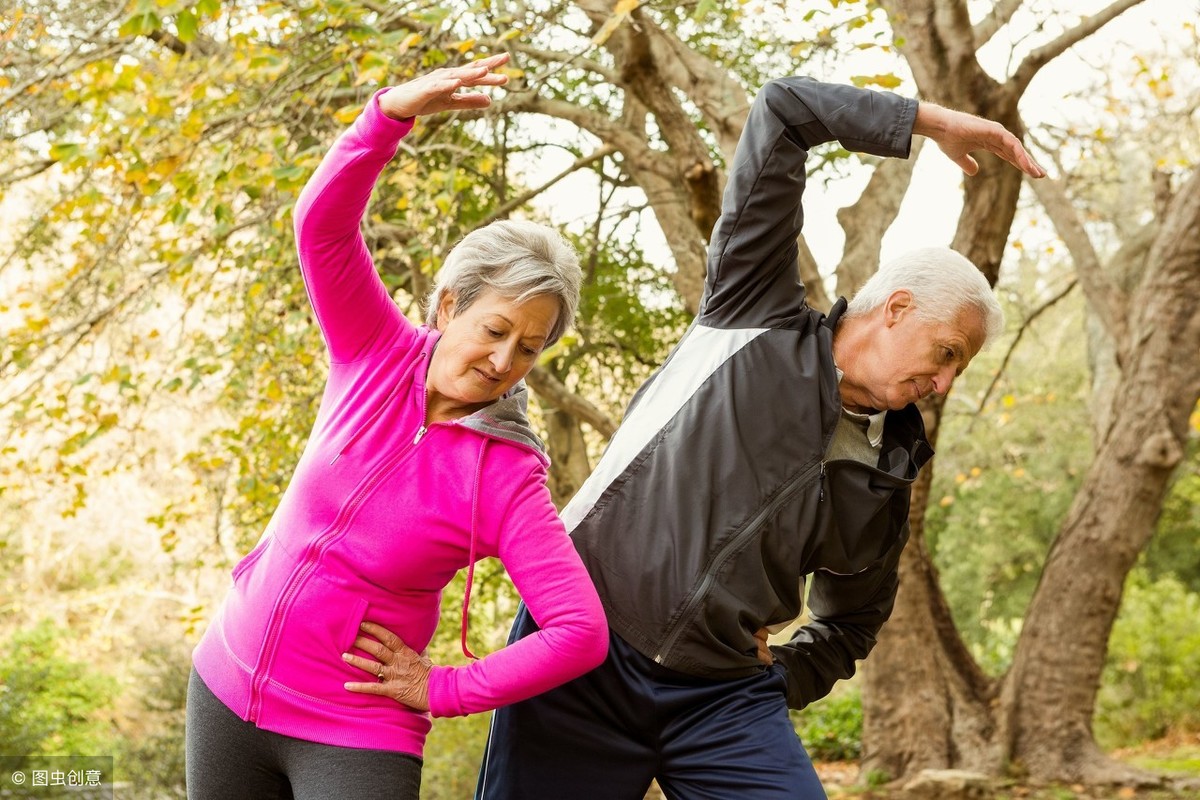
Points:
x=943, y=284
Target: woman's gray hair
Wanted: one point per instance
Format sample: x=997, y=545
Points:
x=517, y=260
x=943, y=284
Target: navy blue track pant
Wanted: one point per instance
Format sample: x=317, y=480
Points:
x=608, y=733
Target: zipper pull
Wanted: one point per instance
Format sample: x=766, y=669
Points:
x=420, y=433
x=821, y=497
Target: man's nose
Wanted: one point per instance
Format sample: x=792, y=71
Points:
x=944, y=379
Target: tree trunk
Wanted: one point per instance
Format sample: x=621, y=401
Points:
x=569, y=465
x=1060, y=655
x=920, y=678
x=926, y=703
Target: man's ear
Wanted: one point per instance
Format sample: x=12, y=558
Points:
x=898, y=304
x=445, y=310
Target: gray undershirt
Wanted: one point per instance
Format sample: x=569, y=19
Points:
x=858, y=437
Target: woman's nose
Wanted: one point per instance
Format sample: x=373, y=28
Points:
x=502, y=357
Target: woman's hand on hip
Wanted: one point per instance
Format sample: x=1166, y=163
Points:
x=399, y=672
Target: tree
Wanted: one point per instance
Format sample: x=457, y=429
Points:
x=922, y=677
x=162, y=145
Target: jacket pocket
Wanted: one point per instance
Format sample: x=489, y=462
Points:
x=354, y=618
x=252, y=557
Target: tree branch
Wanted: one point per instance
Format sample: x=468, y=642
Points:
x=987, y=27
x=602, y=152
x=1106, y=299
x=549, y=57
x=866, y=222
x=556, y=394
x=1048, y=52
x=1037, y=312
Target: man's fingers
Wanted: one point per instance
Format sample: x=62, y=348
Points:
x=967, y=163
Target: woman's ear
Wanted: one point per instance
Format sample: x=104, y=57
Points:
x=445, y=310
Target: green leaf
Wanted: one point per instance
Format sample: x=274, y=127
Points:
x=140, y=24
x=63, y=151
x=186, y=26
x=703, y=9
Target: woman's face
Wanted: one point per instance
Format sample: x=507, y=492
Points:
x=486, y=349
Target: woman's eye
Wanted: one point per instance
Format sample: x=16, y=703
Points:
x=495, y=334
x=529, y=351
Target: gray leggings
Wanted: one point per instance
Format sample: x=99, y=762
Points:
x=228, y=757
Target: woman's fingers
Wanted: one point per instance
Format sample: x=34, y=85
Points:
x=375, y=668
x=388, y=639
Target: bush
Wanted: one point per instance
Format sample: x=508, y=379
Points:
x=1150, y=685
x=831, y=728
x=453, y=753
x=51, y=705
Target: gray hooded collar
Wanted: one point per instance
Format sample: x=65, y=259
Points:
x=507, y=419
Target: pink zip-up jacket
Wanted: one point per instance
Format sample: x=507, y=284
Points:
x=382, y=512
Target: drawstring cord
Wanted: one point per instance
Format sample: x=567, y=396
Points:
x=471, y=556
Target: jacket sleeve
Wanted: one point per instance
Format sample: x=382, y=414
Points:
x=557, y=590
x=846, y=613
x=352, y=306
x=752, y=276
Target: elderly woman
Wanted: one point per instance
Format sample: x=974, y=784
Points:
x=421, y=461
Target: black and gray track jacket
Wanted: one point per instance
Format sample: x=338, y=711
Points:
x=713, y=501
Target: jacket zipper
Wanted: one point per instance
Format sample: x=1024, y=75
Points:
x=313, y=557
x=710, y=573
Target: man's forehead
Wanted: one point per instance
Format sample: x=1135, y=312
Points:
x=970, y=327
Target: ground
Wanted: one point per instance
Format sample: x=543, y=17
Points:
x=1177, y=755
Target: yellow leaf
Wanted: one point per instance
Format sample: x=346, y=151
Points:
x=372, y=75
x=960, y=478
x=347, y=114
x=976, y=472
x=946, y=501
x=1009, y=401
x=621, y=12
x=464, y=46
x=1018, y=472
x=886, y=80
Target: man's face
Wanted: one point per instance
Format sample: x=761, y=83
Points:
x=910, y=357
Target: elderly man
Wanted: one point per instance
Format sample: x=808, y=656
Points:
x=775, y=445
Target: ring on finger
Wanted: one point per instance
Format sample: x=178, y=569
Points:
x=379, y=672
